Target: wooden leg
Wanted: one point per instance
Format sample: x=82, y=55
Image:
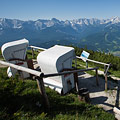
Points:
x=32, y=53
x=97, y=77
x=76, y=81
x=76, y=63
x=86, y=64
x=41, y=88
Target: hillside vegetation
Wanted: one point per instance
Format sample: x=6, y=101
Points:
x=102, y=57
x=94, y=55
x=22, y=101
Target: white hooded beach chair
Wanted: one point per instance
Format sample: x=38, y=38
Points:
x=15, y=52
x=55, y=60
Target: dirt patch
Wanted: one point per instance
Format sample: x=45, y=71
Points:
x=105, y=99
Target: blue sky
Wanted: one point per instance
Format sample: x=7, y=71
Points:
x=60, y=9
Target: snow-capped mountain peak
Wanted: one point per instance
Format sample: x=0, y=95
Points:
x=42, y=24
x=115, y=20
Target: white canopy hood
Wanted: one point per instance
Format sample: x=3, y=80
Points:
x=15, y=50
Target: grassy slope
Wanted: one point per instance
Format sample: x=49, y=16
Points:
x=21, y=100
x=18, y=100
x=79, y=62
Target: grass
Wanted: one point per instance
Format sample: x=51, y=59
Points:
x=82, y=65
x=29, y=54
x=115, y=73
x=22, y=101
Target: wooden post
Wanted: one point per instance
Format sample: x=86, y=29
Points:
x=76, y=81
x=76, y=63
x=97, y=77
x=32, y=53
x=105, y=74
x=41, y=88
x=106, y=82
x=104, y=69
x=86, y=64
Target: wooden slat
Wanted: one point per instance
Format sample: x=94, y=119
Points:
x=68, y=72
x=33, y=72
x=32, y=53
x=76, y=56
x=37, y=47
x=41, y=88
x=40, y=74
x=93, y=61
x=105, y=82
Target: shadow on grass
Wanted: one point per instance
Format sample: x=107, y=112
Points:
x=13, y=104
x=22, y=100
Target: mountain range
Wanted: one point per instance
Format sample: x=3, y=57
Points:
x=96, y=34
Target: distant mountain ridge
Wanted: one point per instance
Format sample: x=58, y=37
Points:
x=94, y=33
